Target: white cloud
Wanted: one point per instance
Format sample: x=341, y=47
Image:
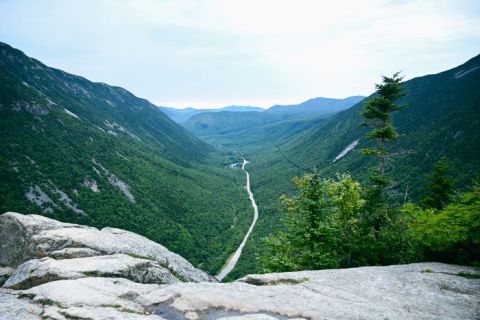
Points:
x=215, y=52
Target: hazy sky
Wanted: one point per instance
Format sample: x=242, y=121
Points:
x=248, y=52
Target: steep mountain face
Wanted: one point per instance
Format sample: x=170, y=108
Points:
x=441, y=119
x=277, y=122
x=182, y=115
x=96, y=154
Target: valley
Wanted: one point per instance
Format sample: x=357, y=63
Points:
x=239, y=160
x=95, y=154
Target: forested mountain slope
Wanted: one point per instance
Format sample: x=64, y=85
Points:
x=95, y=154
x=441, y=119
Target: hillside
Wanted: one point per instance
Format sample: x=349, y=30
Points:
x=441, y=120
x=91, y=153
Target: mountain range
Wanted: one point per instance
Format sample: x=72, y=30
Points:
x=311, y=107
x=215, y=126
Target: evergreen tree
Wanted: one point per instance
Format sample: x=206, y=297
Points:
x=441, y=186
x=377, y=116
x=384, y=228
x=320, y=225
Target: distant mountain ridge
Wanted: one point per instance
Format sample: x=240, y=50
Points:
x=214, y=124
x=319, y=104
x=182, y=115
x=311, y=106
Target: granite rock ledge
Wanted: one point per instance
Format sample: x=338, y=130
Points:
x=55, y=270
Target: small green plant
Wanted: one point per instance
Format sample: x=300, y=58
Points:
x=428, y=271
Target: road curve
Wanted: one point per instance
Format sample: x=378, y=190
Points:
x=233, y=261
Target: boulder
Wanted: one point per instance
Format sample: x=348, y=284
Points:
x=39, y=271
x=32, y=237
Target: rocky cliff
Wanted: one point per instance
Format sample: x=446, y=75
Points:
x=55, y=270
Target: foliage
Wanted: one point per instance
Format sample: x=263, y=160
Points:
x=348, y=203
x=329, y=225
x=321, y=225
x=451, y=234
x=441, y=186
x=384, y=231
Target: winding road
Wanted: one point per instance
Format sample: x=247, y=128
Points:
x=234, y=259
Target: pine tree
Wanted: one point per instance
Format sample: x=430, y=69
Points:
x=384, y=229
x=377, y=116
x=441, y=186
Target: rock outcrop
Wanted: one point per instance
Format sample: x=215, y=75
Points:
x=38, y=271
x=26, y=237
x=11, y=307
x=120, y=286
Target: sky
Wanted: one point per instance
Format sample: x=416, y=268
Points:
x=214, y=53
